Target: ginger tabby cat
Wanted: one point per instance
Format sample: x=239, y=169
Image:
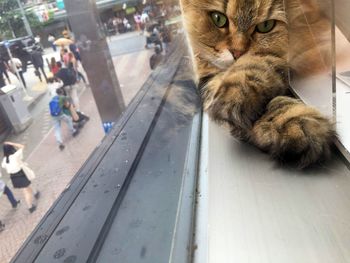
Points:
x=240, y=52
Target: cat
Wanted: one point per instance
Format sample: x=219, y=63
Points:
x=240, y=54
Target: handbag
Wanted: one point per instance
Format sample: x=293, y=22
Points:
x=28, y=172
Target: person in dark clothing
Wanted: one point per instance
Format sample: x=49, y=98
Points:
x=156, y=58
x=3, y=69
x=2, y=81
x=38, y=63
x=69, y=79
x=74, y=49
x=66, y=75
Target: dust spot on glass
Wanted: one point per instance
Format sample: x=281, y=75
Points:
x=86, y=207
x=70, y=259
x=143, y=252
x=62, y=230
x=40, y=239
x=59, y=253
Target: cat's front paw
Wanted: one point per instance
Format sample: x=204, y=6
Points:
x=234, y=103
x=294, y=132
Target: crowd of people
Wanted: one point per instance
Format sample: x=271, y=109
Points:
x=62, y=80
x=150, y=22
x=15, y=67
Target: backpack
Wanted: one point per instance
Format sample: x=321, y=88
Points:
x=71, y=76
x=55, y=107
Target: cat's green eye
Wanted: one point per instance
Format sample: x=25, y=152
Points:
x=219, y=19
x=266, y=26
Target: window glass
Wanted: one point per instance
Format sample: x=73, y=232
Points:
x=95, y=56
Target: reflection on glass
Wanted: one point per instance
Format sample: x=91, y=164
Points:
x=310, y=52
x=342, y=38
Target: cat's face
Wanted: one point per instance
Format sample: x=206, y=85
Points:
x=222, y=32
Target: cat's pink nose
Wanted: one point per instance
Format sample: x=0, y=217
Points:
x=237, y=53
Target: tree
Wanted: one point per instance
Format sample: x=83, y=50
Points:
x=8, y=15
x=11, y=22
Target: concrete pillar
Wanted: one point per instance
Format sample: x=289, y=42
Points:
x=88, y=31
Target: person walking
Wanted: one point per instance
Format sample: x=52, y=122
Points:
x=53, y=66
x=38, y=63
x=53, y=84
x=73, y=65
x=51, y=38
x=68, y=77
x=16, y=63
x=3, y=69
x=14, y=165
x=137, y=19
x=4, y=189
x=57, y=105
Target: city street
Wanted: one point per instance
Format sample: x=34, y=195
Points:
x=54, y=168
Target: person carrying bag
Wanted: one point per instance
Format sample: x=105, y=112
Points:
x=19, y=172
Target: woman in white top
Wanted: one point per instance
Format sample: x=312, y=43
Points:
x=13, y=164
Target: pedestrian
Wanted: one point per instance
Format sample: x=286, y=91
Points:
x=37, y=39
x=38, y=63
x=15, y=64
x=126, y=24
x=66, y=33
x=2, y=81
x=6, y=190
x=68, y=77
x=53, y=66
x=137, y=19
x=56, y=105
x=15, y=167
x=3, y=69
x=62, y=52
x=65, y=57
x=53, y=84
x=144, y=18
x=2, y=226
x=74, y=49
x=73, y=65
x=51, y=40
x=165, y=36
x=156, y=58
x=69, y=109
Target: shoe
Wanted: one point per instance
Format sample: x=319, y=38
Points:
x=61, y=147
x=32, y=209
x=17, y=202
x=2, y=226
x=37, y=195
x=75, y=133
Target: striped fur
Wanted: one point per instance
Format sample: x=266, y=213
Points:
x=242, y=76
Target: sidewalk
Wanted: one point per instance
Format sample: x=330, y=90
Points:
x=54, y=168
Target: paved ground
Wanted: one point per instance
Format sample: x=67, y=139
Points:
x=54, y=169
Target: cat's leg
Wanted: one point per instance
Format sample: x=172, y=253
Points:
x=240, y=94
x=293, y=131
